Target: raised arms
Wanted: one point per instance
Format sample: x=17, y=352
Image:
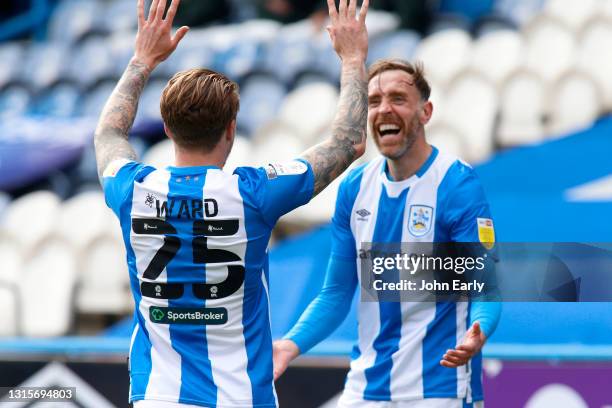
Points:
x=350, y=40
x=154, y=43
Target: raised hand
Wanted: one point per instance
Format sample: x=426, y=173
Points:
x=284, y=351
x=348, y=32
x=154, y=41
x=472, y=343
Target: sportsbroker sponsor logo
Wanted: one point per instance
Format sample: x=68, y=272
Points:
x=178, y=315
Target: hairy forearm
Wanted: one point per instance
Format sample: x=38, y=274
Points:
x=332, y=157
x=111, y=136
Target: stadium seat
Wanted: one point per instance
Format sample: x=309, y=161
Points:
x=11, y=254
x=11, y=55
x=550, y=47
x=470, y=105
x=310, y=109
x=72, y=19
x=121, y=45
x=47, y=289
x=444, y=54
x=91, y=61
x=276, y=141
x=15, y=100
x=160, y=155
x=149, y=102
x=96, y=97
x=103, y=281
x=575, y=101
x=241, y=154
x=448, y=139
x=595, y=54
x=399, y=44
x=520, y=12
x=10, y=311
x=31, y=217
x=60, y=100
x=572, y=13
x=88, y=206
x=381, y=22
x=196, y=51
x=261, y=96
x=497, y=53
x=522, y=109
x=119, y=16
x=292, y=52
x=45, y=64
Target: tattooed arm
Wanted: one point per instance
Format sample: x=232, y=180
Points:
x=154, y=43
x=350, y=40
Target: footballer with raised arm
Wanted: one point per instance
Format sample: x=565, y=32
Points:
x=196, y=236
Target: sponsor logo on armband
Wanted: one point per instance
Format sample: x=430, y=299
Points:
x=292, y=168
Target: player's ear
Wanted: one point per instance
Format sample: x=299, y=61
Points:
x=230, y=131
x=426, y=112
x=168, y=132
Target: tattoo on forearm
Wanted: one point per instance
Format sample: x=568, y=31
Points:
x=111, y=137
x=330, y=158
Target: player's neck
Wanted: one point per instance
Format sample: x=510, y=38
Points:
x=406, y=166
x=193, y=158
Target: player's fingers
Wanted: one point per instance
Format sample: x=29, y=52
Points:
x=364, y=10
x=180, y=34
x=476, y=328
x=453, y=360
x=172, y=11
x=153, y=10
x=465, y=347
x=458, y=353
x=342, y=8
x=352, y=8
x=161, y=7
x=333, y=12
x=448, y=364
x=141, y=13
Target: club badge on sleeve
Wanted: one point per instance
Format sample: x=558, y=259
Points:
x=486, y=232
x=420, y=220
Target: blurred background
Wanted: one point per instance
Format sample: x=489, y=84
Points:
x=522, y=89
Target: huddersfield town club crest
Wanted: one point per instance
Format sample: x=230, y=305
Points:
x=419, y=222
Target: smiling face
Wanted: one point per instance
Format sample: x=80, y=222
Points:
x=396, y=113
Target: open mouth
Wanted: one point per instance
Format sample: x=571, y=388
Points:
x=388, y=129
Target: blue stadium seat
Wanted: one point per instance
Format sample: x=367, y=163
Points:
x=292, y=52
x=96, y=97
x=60, y=100
x=398, y=44
x=91, y=61
x=149, y=102
x=11, y=55
x=45, y=64
x=14, y=99
x=518, y=11
x=240, y=59
x=74, y=18
x=260, y=98
x=119, y=15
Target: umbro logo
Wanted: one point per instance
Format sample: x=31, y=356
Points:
x=363, y=213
